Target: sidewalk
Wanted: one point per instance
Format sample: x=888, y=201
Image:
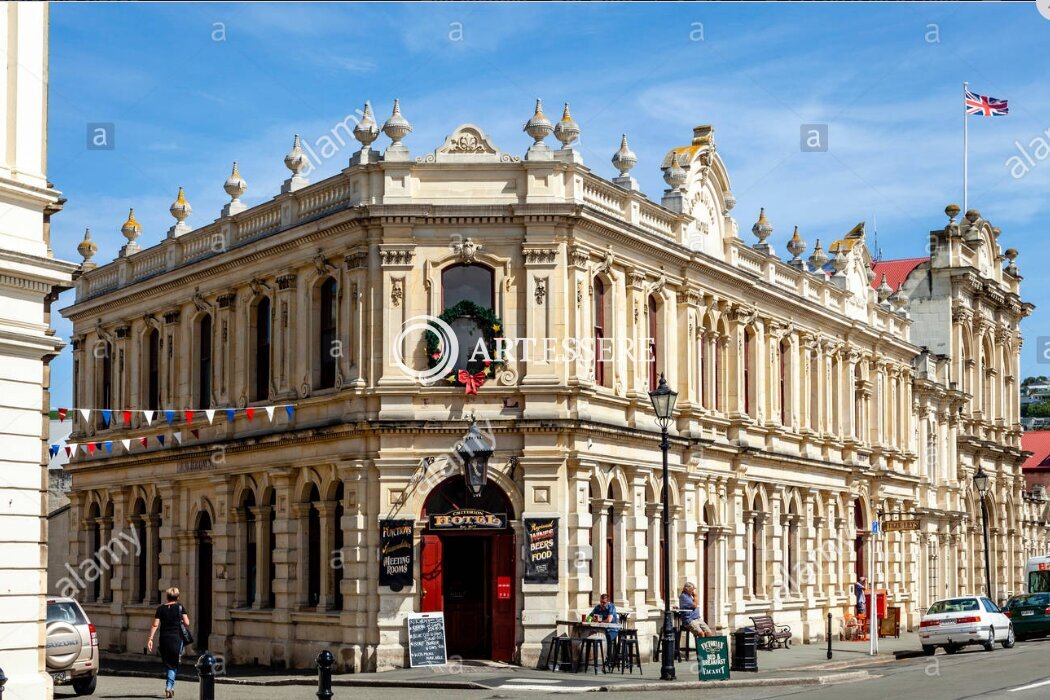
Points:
x=802, y=664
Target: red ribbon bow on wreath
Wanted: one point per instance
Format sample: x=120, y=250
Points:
x=472, y=382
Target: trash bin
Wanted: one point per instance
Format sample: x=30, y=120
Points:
x=745, y=650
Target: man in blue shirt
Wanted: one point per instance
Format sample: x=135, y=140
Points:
x=605, y=611
x=691, y=614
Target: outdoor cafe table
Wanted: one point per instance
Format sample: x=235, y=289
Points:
x=579, y=630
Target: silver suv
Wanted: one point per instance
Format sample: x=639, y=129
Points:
x=72, y=646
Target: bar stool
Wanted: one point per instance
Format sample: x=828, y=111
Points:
x=628, y=655
x=559, y=653
x=679, y=632
x=591, y=648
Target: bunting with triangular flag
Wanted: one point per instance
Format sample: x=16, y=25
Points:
x=126, y=444
x=149, y=417
x=91, y=448
x=109, y=446
x=53, y=449
x=160, y=439
x=249, y=412
x=195, y=433
x=143, y=440
x=86, y=412
x=170, y=416
x=229, y=414
x=269, y=413
x=290, y=410
x=127, y=417
x=107, y=416
x=62, y=413
x=178, y=436
x=209, y=413
x=189, y=416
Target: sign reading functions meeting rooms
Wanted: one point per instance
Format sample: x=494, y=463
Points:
x=468, y=519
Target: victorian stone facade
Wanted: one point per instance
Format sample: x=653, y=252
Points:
x=807, y=405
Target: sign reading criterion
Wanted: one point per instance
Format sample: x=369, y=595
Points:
x=468, y=519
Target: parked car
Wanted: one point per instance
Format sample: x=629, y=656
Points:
x=1030, y=613
x=957, y=622
x=72, y=646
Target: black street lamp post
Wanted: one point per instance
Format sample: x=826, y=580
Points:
x=663, y=404
x=980, y=480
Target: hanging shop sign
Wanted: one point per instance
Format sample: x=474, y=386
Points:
x=468, y=519
x=900, y=525
x=541, y=550
x=395, y=553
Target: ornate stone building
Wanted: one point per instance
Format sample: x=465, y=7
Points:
x=806, y=406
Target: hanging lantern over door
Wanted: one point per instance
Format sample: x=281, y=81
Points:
x=475, y=451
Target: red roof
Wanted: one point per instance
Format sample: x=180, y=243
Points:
x=1038, y=443
x=896, y=271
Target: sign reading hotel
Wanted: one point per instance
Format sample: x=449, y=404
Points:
x=395, y=553
x=468, y=519
x=541, y=550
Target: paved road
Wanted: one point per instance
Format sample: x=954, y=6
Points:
x=1021, y=673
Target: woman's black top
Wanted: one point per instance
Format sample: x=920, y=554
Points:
x=170, y=631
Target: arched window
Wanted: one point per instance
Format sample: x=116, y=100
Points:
x=654, y=331
x=251, y=550
x=860, y=565
x=785, y=348
x=755, y=546
x=746, y=363
x=473, y=283
x=153, y=370
x=204, y=362
x=261, y=385
x=337, y=546
x=599, y=332
x=327, y=347
x=313, y=558
x=702, y=378
x=105, y=399
x=814, y=391
x=792, y=549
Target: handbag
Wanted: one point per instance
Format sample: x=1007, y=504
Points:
x=184, y=631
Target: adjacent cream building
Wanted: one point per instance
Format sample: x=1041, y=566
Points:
x=30, y=281
x=809, y=403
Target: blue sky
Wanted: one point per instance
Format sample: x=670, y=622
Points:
x=192, y=87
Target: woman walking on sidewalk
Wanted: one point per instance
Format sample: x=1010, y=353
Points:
x=172, y=620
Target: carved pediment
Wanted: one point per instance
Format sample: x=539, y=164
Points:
x=467, y=144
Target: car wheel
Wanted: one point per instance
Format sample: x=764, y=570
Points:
x=990, y=644
x=929, y=649
x=951, y=649
x=1010, y=639
x=84, y=686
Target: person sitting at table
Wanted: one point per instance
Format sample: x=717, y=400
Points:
x=690, y=614
x=605, y=611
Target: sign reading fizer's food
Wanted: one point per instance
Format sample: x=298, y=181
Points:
x=395, y=553
x=541, y=550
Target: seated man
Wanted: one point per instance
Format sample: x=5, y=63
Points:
x=605, y=611
x=690, y=614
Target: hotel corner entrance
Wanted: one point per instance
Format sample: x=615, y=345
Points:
x=468, y=569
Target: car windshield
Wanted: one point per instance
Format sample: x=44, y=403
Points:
x=65, y=612
x=1041, y=599
x=953, y=605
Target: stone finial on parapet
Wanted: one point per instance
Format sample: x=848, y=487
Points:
x=396, y=128
x=87, y=249
x=180, y=209
x=296, y=162
x=763, y=230
x=131, y=230
x=567, y=131
x=366, y=132
x=538, y=127
x=796, y=246
x=623, y=160
x=235, y=186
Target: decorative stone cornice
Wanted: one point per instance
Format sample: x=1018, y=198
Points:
x=539, y=256
x=287, y=281
x=356, y=260
x=579, y=257
x=393, y=257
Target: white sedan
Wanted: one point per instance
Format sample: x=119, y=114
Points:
x=953, y=623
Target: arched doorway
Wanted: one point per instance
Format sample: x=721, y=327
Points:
x=468, y=569
x=859, y=550
x=204, y=574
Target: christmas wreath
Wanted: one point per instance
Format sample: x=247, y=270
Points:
x=478, y=370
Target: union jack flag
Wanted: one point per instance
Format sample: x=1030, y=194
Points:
x=985, y=106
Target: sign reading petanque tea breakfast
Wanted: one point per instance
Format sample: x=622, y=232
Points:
x=395, y=553
x=541, y=550
x=426, y=639
x=713, y=655
x=468, y=519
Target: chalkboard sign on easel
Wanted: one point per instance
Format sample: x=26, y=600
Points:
x=426, y=639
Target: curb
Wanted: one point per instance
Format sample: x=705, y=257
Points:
x=851, y=677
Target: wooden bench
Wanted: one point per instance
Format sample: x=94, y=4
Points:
x=770, y=634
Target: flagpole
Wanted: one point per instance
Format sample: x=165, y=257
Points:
x=966, y=147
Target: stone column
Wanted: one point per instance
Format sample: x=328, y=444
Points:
x=282, y=341
x=357, y=271
x=326, y=599
x=262, y=557
x=226, y=349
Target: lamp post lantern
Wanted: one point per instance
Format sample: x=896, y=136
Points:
x=475, y=452
x=663, y=404
x=980, y=480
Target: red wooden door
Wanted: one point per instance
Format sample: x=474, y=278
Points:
x=504, y=597
x=430, y=568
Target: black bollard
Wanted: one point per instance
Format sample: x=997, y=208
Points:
x=325, y=661
x=829, y=635
x=3, y=682
x=206, y=674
